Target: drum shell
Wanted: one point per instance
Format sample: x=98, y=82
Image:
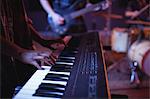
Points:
x=119, y=40
x=147, y=32
x=140, y=52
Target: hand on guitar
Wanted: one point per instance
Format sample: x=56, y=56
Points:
x=57, y=19
x=131, y=14
x=61, y=24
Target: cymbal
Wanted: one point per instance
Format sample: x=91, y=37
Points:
x=137, y=22
x=106, y=15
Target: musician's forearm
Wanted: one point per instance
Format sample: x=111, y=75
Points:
x=47, y=7
x=35, y=34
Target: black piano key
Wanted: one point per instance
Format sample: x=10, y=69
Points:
x=60, y=70
x=52, y=91
x=52, y=85
x=48, y=95
x=65, y=57
x=48, y=89
x=64, y=60
x=70, y=54
x=66, y=67
x=73, y=48
x=51, y=88
x=56, y=75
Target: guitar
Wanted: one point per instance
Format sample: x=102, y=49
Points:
x=62, y=29
x=141, y=11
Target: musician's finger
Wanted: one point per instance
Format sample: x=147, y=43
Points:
x=42, y=63
x=46, y=54
x=36, y=65
x=52, y=58
x=38, y=57
x=51, y=61
x=45, y=62
x=48, y=62
x=61, y=20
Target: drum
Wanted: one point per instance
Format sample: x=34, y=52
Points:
x=147, y=32
x=119, y=40
x=140, y=52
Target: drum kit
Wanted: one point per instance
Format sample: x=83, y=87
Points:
x=128, y=40
x=138, y=50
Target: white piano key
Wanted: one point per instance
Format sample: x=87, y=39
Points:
x=24, y=96
x=55, y=82
x=46, y=67
x=31, y=92
x=33, y=83
x=64, y=63
x=66, y=73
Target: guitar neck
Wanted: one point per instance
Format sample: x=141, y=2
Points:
x=78, y=13
x=142, y=10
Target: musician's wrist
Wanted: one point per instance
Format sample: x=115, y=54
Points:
x=51, y=14
x=19, y=53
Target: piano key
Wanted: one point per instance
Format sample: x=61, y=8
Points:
x=71, y=49
x=55, y=79
x=48, y=95
x=65, y=60
x=29, y=89
x=61, y=68
x=52, y=90
x=26, y=96
x=51, y=85
x=55, y=82
x=46, y=67
x=48, y=89
x=67, y=54
x=55, y=86
x=38, y=77
x=69, y=57
x=65, y=73
x=56, y=75
x=65, y=63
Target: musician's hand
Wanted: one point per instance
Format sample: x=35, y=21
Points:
x=131, y=14
x=48, y=43
x=57, y=19
x=134, y=14
x=32, y=57
x=103, y=6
